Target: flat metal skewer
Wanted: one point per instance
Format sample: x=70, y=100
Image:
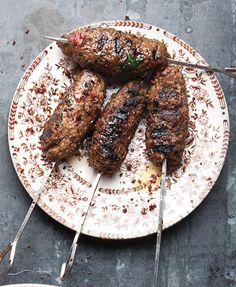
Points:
x=67, y=265
x=160, y=222
x=229, y=71
x=226, y=71
x=11, y=247
x=62, y=40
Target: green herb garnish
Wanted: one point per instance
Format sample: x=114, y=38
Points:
x=131, y=63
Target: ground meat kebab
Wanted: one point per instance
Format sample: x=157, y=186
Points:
x=116, y=127
x=74, y=116
x=113, y=52
x=167, y=119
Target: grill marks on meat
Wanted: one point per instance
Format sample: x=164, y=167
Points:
x=114, y=52
x=118, y=46
x=74, y=116
x=113, y=130
x=101, y=42
x=167, y=119
x=116, y=127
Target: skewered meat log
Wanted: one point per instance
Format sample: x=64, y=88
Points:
x=113, y=52
x=167, y=119
x=74, y=116
x=116, y=127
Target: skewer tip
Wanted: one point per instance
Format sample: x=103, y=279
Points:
x=61, y=40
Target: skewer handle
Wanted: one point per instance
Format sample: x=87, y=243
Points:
x=11, y=247
x=67, y=265
x=160, y=222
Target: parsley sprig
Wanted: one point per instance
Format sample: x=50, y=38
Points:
x=131, y=63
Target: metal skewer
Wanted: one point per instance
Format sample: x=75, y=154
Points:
x=11, y=247
x=160, y=223
x=67, y=265
x=229, y=71
x=226, y=71
x=62, y=40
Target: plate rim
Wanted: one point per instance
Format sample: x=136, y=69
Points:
x=132, y=24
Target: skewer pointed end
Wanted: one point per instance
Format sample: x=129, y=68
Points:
x=61, y=40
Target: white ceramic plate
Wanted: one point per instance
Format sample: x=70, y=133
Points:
x=124, y=205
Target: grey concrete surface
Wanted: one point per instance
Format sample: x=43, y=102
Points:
x=200, y=250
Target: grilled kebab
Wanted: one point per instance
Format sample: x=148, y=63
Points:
x=167, y=119
x=74, y=116
x=113, y=52
x=116, y=127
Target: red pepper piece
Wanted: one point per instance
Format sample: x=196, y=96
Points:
x=78, y=39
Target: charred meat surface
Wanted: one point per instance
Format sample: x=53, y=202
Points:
x=74, y=116
x=116, y=127
x=167, y=119
x=114, y=52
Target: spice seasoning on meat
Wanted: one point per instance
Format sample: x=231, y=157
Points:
x=113, y=52
x=116, y=127
x=74, y=116
x=167, y=118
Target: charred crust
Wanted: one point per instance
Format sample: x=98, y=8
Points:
x=167, y=93
x=118, y=46
x=102, y=40
x=163, y=148
x=159, y=131
x=156, y=55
